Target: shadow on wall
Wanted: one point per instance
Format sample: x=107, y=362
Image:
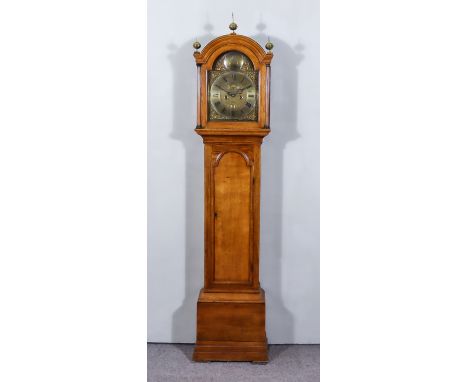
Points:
x=280, y=323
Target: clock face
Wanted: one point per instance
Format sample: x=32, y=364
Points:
x=233, y=95
x=232, y=88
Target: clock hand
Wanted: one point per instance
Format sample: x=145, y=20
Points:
x=219, y=87
x=229, y=92
x=238, y=91
x=245, y=88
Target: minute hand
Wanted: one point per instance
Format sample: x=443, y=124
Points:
x=242, y=89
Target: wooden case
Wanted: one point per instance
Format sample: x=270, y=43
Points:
x=231, y=306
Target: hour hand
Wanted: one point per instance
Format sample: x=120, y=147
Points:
x=224, y=90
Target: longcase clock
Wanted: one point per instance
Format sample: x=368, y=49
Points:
x=233, y=74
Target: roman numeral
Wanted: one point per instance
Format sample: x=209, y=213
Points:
x=248, y=104
x=217, y=103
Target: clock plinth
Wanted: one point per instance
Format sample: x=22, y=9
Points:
x=231, y=327
x=232, y=119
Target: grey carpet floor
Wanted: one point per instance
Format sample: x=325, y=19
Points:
x=172, y=363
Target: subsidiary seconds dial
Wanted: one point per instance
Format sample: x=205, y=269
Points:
x=233, y=95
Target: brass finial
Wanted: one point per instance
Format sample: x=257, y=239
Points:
x=196, y=45
x=269, y=45
x=233, y=25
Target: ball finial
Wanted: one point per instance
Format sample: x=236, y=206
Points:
x=269, y=45
x=233, y=25
x=196, y=45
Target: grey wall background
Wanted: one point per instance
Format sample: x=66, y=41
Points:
x=289, y=259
